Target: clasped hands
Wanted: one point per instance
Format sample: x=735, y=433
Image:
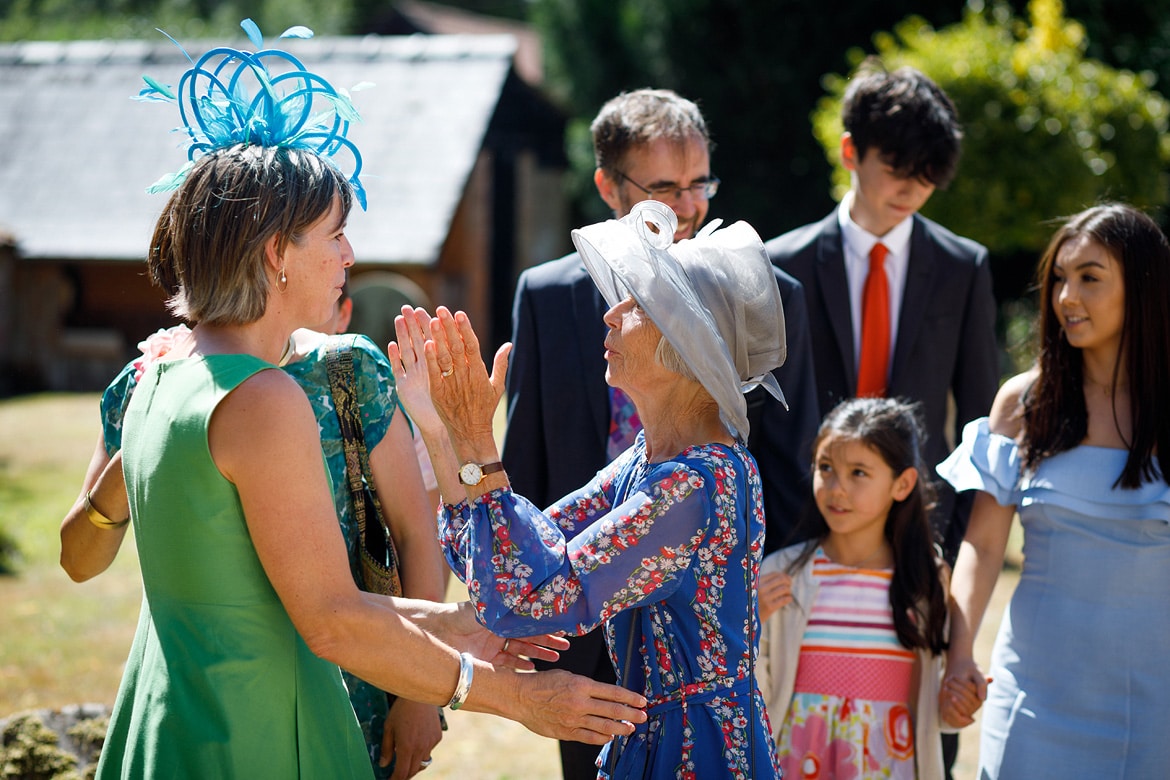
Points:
x=963, y=691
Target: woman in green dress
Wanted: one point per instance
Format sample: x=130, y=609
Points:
x=399, y=734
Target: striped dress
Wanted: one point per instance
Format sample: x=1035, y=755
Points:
x=849, y=716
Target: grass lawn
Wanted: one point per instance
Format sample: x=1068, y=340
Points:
x=64, y=643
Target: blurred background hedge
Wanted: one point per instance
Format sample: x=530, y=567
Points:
x=1060, y=101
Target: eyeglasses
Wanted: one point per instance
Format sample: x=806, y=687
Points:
x=704, y=189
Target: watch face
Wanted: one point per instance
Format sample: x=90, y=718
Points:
x=470, y=474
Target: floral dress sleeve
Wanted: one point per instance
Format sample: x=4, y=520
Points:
x=376, y=391
x=526, y=574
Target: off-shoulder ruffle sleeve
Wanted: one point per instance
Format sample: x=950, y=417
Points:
x=984, y=461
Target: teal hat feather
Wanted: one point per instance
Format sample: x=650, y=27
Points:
x=291, y=107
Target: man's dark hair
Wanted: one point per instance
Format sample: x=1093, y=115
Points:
x=906, y=118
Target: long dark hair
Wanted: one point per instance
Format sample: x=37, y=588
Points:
x=893, y=429
x=1055, y=416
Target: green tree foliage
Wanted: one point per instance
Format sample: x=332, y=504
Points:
x=1048, y=131
x=753, y=66
x=1131, y=35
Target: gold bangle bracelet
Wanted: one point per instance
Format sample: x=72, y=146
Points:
x=97, y=518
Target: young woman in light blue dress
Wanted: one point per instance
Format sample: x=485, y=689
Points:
x=1079, y=447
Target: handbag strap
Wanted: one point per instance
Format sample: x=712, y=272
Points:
x=343, y=386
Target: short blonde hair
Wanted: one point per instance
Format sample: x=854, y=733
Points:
x=207, y=252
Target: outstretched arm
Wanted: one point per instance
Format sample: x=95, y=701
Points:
x=977, y=569
x=263, y=437
x=978, y=566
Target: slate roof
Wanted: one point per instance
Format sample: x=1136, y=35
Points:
x=76, y=153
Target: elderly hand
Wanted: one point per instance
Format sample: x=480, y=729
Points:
x=464, y=395
x=408, y=364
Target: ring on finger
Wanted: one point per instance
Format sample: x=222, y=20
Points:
x=506, y=642
x=448, y=372
x=425, y=762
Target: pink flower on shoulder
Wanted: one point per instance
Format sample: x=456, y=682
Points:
x=159, y=344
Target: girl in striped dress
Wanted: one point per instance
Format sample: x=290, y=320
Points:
x=856, y=616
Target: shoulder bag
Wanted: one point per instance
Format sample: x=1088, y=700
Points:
x=379, y=559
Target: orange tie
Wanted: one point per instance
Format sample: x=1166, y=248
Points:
x=875, y=327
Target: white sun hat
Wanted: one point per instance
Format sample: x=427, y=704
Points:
x=714, y=298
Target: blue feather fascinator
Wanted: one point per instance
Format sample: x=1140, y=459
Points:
x=293, y=107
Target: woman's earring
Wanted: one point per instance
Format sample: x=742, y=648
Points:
x=283, y=281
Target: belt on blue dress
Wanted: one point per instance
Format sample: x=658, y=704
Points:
x=632, y=762
x=698, y=693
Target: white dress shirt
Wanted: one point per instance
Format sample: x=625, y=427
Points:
x=857, y=244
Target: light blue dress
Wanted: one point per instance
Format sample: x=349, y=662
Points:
x=1081, y=684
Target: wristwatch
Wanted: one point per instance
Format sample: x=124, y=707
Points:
x=473, y=473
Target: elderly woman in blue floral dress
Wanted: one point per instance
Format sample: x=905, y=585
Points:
x=663, y=545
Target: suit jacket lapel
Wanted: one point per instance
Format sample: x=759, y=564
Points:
x=834, y=289
x=589, y=307
x=919, y=273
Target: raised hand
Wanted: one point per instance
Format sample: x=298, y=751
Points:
x=408, y=364
x=463, y=393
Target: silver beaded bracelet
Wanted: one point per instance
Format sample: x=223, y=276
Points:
x=463, y=687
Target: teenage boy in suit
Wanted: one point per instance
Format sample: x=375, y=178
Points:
x=564, y=422
x=898, y=305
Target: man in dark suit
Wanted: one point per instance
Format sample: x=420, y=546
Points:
x=564, y=422
x=927, y=298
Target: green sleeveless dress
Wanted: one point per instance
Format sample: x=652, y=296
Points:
x=218, y=682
